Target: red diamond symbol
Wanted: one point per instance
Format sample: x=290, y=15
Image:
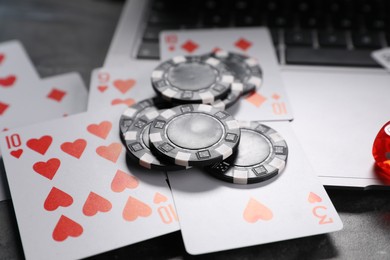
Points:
x=56, y=94
x=190, y=46
x=275, y=96
x=256, y=99
x=243, y=44
x=3, y=107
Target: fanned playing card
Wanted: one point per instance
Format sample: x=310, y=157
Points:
x=26, y=99
x=122, y=87
x=18, y=79
x=216, y=215
x=66, y=93
x=74, y=193
x=270, y=101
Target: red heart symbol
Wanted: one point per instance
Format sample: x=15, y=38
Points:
x=158, y=198
x=124, y=85
x=255, y=211
x=47, y=169
x=66, y=228
x=40, y=145
x=74, y=149
x=2, y=56
x=127, y=102
x=102, y=88
x=96, y=203
x=110, y=152
x=57, y=198
x=7, y=81
x=313, y=198
x=17, y=153
x=101, y=130
x=135, y=208
x=122, y=180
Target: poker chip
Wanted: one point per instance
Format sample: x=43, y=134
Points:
x=192, y=79
x=233, y=96
x=261, y=154
x=244, y=69
x=137, y=143
x=138, y=109
x=194, y=135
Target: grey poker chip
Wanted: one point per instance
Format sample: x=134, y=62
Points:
x=194, y=135
x=234, y=95
x=244, y=69
x=138, y=144
x=261, y=155
x=138, y=109
x=192, y=79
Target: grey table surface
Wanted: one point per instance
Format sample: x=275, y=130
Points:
x=74, y=35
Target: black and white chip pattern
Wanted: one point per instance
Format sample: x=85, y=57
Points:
x=234, y=95
x=138, y=109
x=194, y=135
x=192, y=79
x=261, y=155
x=138, y=143
x=244, y=69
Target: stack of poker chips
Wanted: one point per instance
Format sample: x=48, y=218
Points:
x=187, y=125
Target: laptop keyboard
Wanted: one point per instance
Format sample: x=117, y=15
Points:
x=304, y=32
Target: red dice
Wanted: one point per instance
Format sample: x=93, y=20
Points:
x=381, y=149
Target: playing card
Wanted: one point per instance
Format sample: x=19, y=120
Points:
x=73, y=192
x=121, y=86
x=66, y=93
x=26, y=99
x=270, y=101
x=216, y=215
x=17, y=80
x=63, y=95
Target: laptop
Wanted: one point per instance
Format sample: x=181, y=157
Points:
x=339, y=94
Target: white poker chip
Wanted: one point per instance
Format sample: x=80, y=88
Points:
x=192, y=79
x=137, y=142
x=244, y=69
x=261, y=155
x=138, y=109
x=194, y=135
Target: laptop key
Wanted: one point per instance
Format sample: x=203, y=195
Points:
x=242, y=5
x=298, y=37
x=312, y=21
x=329, y=57
x=342, y=22
x=332, y=39
x=247, y=20
x=149, y=50
x=152, y=33
x=280, y=21
x=215, y=19
x=376, y=23
x=368, y=40
x=157, y=18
